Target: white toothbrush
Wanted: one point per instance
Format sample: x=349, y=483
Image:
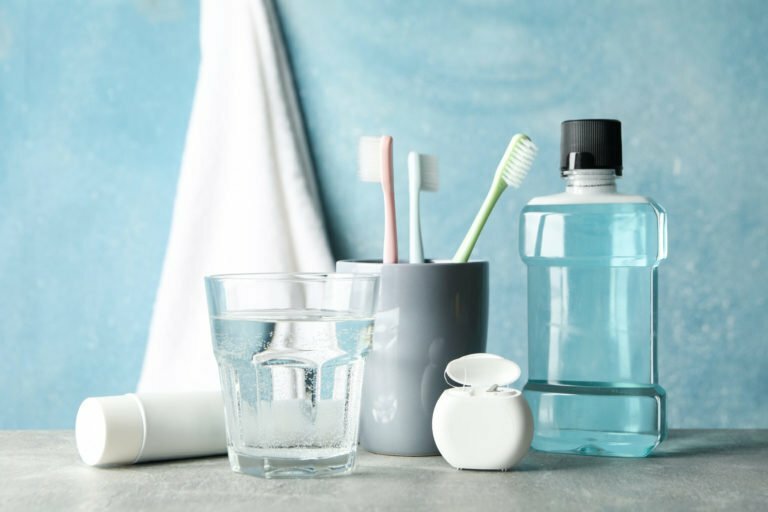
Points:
x=511, y=171
x=375, y=165
x=422, y=175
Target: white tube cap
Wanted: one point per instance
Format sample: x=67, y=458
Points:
x=109, y=430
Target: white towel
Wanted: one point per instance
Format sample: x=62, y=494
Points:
x=246, y=198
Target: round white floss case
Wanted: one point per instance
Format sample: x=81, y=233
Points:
x=482, y=425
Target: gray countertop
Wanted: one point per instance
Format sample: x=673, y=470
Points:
x=692, y=470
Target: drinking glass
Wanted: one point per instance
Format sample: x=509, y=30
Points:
x=290, y=350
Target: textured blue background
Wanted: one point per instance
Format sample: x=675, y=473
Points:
x=94, y=102
x=95, y=96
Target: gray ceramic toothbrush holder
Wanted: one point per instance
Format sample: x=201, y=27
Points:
x=429, y=314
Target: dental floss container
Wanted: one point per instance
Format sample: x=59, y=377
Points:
x=125, y=429
x=482, y=425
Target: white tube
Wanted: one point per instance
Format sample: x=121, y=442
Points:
x=132, y=428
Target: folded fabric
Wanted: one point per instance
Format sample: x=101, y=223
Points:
x=246, y=198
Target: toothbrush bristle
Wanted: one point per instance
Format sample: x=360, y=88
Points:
x=369, y=159
x=430, y=177
x=518, y=160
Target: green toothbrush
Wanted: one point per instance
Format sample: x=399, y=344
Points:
x=511, y=171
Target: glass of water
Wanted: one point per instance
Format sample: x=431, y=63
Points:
x=290, y=350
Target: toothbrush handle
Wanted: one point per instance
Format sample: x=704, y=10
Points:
x=415, y=248
x=387, y=188
x=465, y=249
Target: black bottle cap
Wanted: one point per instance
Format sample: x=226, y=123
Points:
x=590, y=144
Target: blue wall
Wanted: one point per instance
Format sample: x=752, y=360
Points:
x=457, y=79
x=94, y=102
x=95, y=97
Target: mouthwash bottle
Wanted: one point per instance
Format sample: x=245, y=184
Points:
x=592, y=256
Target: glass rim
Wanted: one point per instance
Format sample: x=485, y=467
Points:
x=301, y=277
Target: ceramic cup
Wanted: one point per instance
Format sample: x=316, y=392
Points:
x=429, y=314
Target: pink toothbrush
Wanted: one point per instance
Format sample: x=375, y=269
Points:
x=375, y=158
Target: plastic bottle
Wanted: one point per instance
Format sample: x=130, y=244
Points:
x=592, y=256
x=126, y=429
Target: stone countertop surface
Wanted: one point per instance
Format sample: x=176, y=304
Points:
x=692, y=470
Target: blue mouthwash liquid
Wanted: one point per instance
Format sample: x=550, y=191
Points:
x=592, y=257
